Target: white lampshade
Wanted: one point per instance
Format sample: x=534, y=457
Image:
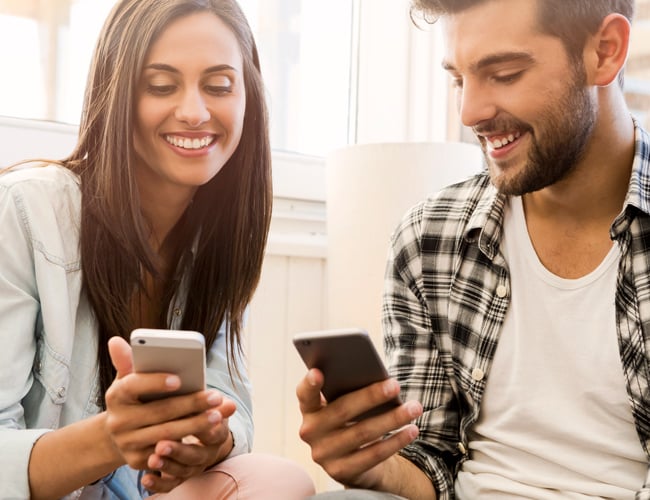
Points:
x=369, y=188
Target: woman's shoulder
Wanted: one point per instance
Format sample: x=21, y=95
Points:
x=45, y=198
x=38, y=173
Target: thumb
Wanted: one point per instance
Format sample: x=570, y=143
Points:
x=120, y=352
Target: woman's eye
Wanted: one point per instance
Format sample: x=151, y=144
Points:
x=160, y=89
x=218, y=89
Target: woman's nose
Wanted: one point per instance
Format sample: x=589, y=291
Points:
x=192, y=109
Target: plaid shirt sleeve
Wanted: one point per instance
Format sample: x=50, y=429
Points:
x=442, y=315
x=439, y=292
x=414, y=359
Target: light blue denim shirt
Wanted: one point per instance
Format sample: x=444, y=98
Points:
x=48, y=350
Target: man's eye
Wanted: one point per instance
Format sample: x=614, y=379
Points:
x=509, y=78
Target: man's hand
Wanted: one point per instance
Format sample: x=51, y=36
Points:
x=355, y=454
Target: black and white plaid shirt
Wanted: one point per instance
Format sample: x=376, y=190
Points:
x=446, y=295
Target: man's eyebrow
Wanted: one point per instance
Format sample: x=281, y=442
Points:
x=493, y=59
x=171, y=69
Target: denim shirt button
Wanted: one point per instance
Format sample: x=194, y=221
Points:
x=177, y=311
x=61, y=392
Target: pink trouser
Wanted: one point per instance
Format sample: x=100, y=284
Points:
x=250, y=476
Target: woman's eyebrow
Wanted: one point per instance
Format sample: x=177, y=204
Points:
x=171, y=69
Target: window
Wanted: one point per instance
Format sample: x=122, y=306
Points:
x=637, y=73
x=305, y=51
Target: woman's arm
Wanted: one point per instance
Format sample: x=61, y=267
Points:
x=71, y=457
x=236, y=388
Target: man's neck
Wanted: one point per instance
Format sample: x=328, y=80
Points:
x=595, y=190
x=568, y=222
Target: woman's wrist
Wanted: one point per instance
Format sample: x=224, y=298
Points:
x=225, y=450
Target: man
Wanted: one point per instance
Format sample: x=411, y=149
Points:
x=517, y=303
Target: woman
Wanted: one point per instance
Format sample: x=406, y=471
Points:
x=157, y=219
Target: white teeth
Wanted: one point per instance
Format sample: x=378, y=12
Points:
x=499, y=143
x=187, y=143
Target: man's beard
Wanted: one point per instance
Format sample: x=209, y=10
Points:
x=560, y=144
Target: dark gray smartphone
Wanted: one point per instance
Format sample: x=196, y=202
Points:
x=349, y=361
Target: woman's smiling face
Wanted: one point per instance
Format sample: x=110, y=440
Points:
x=190, y=105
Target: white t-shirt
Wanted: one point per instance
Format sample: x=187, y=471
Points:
x=555, y=420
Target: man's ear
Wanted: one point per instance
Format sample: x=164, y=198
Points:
x=606, y=51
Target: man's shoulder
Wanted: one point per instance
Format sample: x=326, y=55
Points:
x=456, y=203
x=445, y=218
x=465, y=193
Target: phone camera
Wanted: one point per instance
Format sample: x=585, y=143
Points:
x=142, y=341
x=306, y=342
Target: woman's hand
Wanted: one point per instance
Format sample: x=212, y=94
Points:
x=177, y=461
x=178, y=437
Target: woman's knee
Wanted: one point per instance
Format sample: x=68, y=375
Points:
x=247, y=477
x=266, y=476
x=356, y=495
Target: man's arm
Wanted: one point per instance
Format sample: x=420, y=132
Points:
x=404, y=478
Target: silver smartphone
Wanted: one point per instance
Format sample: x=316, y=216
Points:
x=180, y=352
x=349, y=361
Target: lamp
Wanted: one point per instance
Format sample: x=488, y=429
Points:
x=369, y=188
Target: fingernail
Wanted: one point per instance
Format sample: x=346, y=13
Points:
x=214, y=417
x=147, y=482
x=173, y=382
x=166, y=451
x=414, y=409
x=311, y=379
x=215, y=398
x=391, y=387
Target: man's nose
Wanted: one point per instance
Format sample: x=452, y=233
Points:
x=475, y=104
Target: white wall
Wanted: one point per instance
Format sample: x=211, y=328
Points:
x=22, y=139
x=294, y=176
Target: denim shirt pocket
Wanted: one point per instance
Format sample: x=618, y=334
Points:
x=51, y=371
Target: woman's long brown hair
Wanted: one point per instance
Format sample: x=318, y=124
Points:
x=227, y=223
